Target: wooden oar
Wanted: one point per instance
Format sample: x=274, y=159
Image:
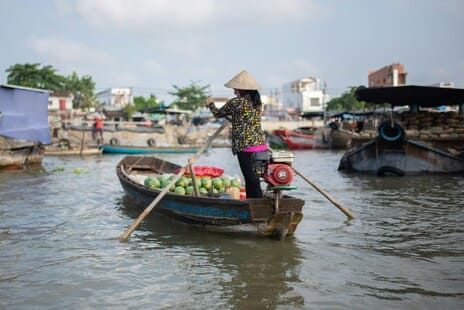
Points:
x=196, y=191
x=82, y=140
x=160, y=196
x=326, y=195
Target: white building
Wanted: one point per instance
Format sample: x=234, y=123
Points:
x=116, y=97
x=60, y=101
x=304, y=95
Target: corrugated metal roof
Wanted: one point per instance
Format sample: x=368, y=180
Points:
x=424, y=96
x=25, y=88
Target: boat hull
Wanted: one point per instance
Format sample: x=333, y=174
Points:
x=72, y=152
x=296, y=140
x=209, y=212
x=16, y=154
x=338, y=138
x=411, y=158
x=319, y=138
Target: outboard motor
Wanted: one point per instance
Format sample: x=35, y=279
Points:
x=275, y=168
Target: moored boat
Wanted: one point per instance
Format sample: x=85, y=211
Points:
x=72, y=152
x=307, y=138
x=274, y=215
x=303, y=138
x=23, y=126
x=338, y=138
x=397, y=151
x=16, y=153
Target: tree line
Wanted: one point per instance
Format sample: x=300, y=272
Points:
x=347, y=102
x=46, y=77
x=82, y=88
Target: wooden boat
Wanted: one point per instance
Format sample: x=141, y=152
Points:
x=392, y=151
x=338, y=138
x=322, y=138
x=274, y=215
x=23, y=125
x=296, y=140
x=116, y=149
x=15, y=153
x=72, y=152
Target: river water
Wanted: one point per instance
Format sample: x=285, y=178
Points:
x=59, y=225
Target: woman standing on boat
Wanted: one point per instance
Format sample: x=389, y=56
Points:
x=248, y=137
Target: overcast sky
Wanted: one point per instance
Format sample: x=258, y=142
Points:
x=152, y=44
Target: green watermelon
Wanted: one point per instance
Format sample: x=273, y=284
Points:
x=164, y=180
x=152, y=182
x=235, y=183
x=226, y=181
x=147, y=181
x=218, y=183
x=183, y=181
x=206, y=183
x=189, y=190
x=179, y=190
x=203, y=191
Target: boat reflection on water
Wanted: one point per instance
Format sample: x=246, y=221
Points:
x=251, y=271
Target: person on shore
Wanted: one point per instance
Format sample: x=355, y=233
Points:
x=248, y=137
x=97, y=128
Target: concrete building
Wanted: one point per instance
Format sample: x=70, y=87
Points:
x=115, y=97
x=60, y=101
x=391, y=75
x=304, y=95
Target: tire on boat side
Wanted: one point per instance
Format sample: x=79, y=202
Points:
x=389, y=170
x=151, y=142
x=114, y=141
x=391, y=134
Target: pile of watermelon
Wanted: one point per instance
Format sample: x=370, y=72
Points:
x=207, y=186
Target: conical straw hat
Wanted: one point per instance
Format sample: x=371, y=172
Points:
x=243, y=80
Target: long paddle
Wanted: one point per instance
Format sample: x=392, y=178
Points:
x=181, y=172
x=326, y=195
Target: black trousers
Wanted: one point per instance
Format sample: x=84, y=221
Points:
x=252, y=184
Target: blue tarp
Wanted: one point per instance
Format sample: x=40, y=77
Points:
x=24, y=114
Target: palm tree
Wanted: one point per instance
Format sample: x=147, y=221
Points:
x=27, y=75
x=31, y=75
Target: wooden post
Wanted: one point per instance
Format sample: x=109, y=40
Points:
x=82, y=138
x=194, y=181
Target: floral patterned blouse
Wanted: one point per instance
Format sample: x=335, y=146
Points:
x=246, y=122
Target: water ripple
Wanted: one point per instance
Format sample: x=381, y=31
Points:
x=59, y=246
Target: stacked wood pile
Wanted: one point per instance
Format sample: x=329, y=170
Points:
x=433, y=125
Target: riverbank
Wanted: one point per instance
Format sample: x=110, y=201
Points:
x=160, y=136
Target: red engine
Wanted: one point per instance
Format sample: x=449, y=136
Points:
x=275, y=167
x=278, y=174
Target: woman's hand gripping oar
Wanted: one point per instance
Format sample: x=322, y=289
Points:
x=326, y=195
x=160, y=196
